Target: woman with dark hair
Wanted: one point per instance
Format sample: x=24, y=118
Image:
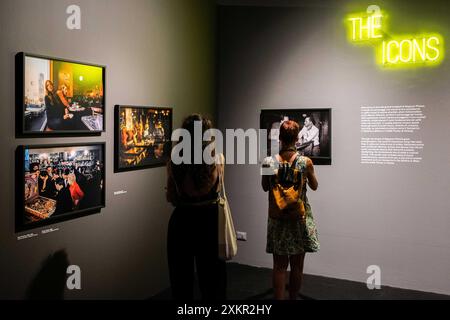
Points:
x=57, y=113
x=54, y=114
x=193, y=228
x=289, y=237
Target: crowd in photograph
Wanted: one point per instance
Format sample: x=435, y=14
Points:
x=73, y=186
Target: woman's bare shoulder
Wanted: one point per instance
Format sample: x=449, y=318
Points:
x=308, y=162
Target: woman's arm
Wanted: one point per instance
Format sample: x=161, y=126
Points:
x=265, y=183
x=267, y=167
x=311, y=176
x=47, y=101
x=63, y=99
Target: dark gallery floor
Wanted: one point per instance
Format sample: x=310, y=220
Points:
x=252, y=283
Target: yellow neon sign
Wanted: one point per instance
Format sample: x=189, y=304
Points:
x=426, y=50
x=394, y=51
x=365, y=28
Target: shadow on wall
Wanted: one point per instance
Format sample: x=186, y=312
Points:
x=50, y=281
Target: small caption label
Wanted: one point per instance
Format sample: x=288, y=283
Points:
x=27, y=236
x=49, y=230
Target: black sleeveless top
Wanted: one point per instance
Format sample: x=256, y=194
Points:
x=184, y=199
x=55, y=112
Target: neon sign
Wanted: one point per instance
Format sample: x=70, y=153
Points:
x=394, y=51
x=366, y=28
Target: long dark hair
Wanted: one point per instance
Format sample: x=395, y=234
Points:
x=199, y=173
x=49, y=93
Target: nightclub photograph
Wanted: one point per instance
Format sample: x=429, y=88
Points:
x=62, y=97
x=63, y=180
x=143, y=137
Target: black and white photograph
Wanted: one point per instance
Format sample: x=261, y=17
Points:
x=314, y=138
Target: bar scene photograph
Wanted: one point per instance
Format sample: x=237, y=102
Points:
x=143, y=137
x=62, y=97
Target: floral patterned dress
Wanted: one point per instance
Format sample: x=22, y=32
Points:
x=291, y=237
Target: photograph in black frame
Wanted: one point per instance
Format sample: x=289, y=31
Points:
x=58, y=182
x=315, y=131
x=58, y=97
x=142, y=137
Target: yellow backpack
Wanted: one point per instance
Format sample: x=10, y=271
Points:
x=287, y=192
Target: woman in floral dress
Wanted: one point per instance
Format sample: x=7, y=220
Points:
x=288, y=240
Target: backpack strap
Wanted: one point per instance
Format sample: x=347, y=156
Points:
x=294, y=163
x=302, y=179
x=298, y=173
x=285, y=171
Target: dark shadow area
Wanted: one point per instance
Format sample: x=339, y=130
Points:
x=252, y=283
x=50, y=281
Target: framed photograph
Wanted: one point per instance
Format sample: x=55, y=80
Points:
x=142, y=137
x=58, y=182
x=56, y=97
x=314, y=139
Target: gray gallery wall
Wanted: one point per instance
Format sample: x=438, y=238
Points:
x=157, y=52
x=397, y=217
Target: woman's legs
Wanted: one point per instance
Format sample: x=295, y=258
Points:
x=280, y=264
x=296, y=275
x=180, y=258
x=211, y=271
